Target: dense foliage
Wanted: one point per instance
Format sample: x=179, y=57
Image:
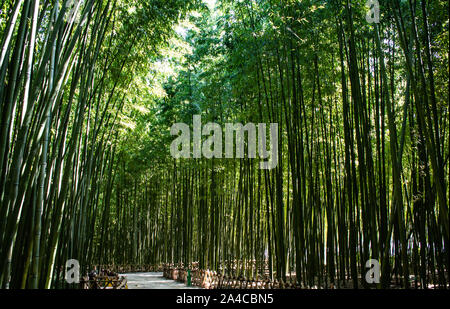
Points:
x=363, y=118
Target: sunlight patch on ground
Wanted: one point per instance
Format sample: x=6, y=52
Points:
x=152, y=281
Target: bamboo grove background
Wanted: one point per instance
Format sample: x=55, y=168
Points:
x=65, y=68
x=90, y=90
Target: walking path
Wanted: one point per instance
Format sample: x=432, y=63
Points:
x=152, y=281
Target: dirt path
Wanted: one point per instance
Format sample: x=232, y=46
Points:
x=152, y=281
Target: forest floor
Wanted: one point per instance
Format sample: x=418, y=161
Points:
x=152, y=281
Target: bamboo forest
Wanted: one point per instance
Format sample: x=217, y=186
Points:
x=352, y=96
